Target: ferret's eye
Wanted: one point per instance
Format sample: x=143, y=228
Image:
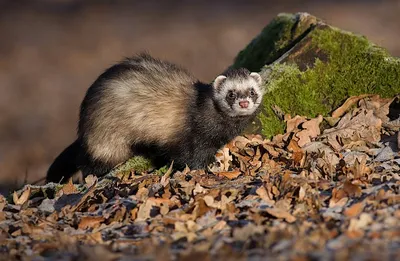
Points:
x=252, y=93
x=232, y=95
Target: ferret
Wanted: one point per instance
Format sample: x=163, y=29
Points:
x=149, y=107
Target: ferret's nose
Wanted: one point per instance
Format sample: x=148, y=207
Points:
x=244, y=104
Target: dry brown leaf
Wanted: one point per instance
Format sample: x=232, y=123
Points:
x=354, y=234
x=219, y=226
x=293, y=123
x=90, y=180
x=200, y=208
x=199, y=189
x=354, y=210
x=364, y=125
x=339, y=198
x=90, y=222
x=226, y=159
x=142, y=194
x=144, y=210
x=249, y=151
x=298, y=153
x=265, y=196
x=2, y=202
x=360, y=223
x=23, y=198
x=83, y=199
x=118, y=215
x=244, y=233
x=133, y=214
x=240, y=142
x=280, y=213
x=271, y=150
x=360, y=167
x=338, y=202
x=351, y=190
x=229, y=174
x=380, y=106
x=310, y=130
x=69, y=188
x=219, y=204
x=302, y=193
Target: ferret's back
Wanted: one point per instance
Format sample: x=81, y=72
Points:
x=140, y=100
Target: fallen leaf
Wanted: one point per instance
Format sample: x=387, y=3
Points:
x=82, y=200
x=90, y=180
x=2, y=202
x=23, y=198
x=351, y=190
x=354, y=210
x=229, y=174
x=246, y=232
x=280, y=213
x=265, y=196
x=293, y=123
x=298, y=153
x=310, y=130
x=359, y=168
x=362, y=125
x=302, y=193
x=224, y=158
x=144, y=210
x=90, y=222
x=360, y=223
x=271, y=150
x=379, y=106
x=339, y=198
x=69, y=188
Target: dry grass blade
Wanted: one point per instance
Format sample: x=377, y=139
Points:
x=348, y=104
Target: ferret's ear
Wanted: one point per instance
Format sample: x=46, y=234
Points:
x=218, y=81
x=256, y=77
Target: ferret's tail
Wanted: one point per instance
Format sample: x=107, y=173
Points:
x=65, y=165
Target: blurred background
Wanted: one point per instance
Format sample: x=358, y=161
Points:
x=52, y=50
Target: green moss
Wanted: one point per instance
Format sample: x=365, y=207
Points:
x=161, y=171
x=137, y=163
x=354, y=66
x=274, y=40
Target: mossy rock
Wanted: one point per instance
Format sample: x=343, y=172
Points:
x=310, y=68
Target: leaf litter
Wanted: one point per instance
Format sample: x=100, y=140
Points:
x=307, y=194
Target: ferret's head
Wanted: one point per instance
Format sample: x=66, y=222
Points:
x=239, y=92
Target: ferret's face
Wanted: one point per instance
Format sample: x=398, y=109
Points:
x=238, y=95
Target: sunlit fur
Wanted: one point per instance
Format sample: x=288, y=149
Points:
x=144, y=106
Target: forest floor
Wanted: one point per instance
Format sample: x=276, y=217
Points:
x=327, y=189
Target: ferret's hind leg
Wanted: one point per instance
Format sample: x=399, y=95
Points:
x=90, y=166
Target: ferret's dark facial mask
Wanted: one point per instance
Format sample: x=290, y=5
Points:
x=238, y=96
